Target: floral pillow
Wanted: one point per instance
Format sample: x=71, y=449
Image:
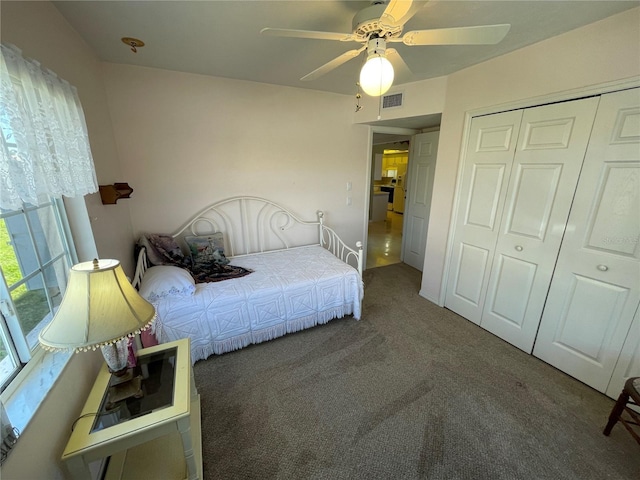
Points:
x=161, y=249
x=206, y=250
x=166, y=280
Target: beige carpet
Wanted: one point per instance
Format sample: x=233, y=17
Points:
x=410, y=391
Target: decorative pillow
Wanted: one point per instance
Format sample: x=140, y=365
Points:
x=161, y=249
x=163, y=280
x=206, y=250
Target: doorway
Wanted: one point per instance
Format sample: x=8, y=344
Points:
x=390, y=156
x=385, y=241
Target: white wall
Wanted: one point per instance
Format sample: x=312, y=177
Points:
x=40, y=31
x=419, y=98
x=188, y=140
x=604, y=51
x=37, y=453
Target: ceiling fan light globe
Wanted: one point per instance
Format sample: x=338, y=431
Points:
x=376, y=76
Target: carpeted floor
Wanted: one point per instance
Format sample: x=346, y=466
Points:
x=411, y=390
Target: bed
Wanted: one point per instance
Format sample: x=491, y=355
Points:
x=296, y=274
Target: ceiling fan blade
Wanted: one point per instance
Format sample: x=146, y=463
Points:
x=398, y=12
x=285, y=32
x=480, y=35
x=335, y=63
x=401, y=69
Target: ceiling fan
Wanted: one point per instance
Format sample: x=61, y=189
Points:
x=382, y=23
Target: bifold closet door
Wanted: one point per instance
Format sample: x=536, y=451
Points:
x=487, y=165
x=551, y=148
x=595, y=290
x=519, y=176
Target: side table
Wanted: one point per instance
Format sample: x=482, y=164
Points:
x=158, y=432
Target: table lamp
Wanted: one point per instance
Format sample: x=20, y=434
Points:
x=100, y=308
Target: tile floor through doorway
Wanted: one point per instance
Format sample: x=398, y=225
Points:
x=384, y=242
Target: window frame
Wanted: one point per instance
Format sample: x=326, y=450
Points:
x=14, y=338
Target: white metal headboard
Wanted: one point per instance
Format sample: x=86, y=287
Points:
x=255, y=225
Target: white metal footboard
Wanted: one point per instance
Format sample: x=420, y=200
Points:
x=330, y=240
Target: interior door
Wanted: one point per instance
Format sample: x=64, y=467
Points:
x=551, y=148
x=596, y=287
x=485, y=172
x=419, y=186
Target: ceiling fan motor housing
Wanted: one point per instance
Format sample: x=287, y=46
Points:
x=376, y=46
x=366, y=22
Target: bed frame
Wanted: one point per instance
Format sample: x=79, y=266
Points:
x=286, y=295
x=257, y=225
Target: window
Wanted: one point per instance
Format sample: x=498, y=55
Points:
x=44, y=155
x=35, y=258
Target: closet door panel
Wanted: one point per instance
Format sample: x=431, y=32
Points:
x=484, y=197
x=596, y=286
x=551, y=148
x=514, y=279
x=615, y=223
x=534, y=195
x=485, y=172
x=469, y=274
x=589, y=298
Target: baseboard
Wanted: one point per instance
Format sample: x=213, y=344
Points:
x=424, y=294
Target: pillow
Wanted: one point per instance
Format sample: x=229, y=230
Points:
x=161, y=249
x=206, y=250
x=164, y=280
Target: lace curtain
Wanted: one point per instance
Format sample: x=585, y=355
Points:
x=45, y=146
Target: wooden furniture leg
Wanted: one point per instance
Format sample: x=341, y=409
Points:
x=630, y=395
x=617, y=410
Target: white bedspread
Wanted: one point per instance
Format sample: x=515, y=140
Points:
x=288, y=291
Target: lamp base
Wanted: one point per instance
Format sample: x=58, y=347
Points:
x=120, y=373
x=116, y=355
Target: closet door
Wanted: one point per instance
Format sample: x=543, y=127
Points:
x=596, y=287
x=486, y=169
x=552, y=145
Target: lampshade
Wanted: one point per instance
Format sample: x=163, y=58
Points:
x=99, y=307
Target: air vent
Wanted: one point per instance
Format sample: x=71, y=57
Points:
x=392, y=101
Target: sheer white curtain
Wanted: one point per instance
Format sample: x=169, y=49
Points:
x=45, y=147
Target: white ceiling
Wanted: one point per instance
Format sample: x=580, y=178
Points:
x=222, y=38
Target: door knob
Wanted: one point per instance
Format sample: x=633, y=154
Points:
x=603, y=268
x=519, y=248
